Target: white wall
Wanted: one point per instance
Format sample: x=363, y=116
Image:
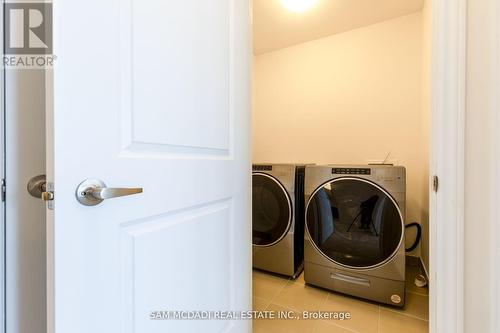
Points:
x=348, y=98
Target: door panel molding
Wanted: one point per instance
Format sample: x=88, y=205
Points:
x=173, y=85
x=151, y=238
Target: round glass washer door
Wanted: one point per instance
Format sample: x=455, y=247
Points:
x=354, y=223
x=271, y=210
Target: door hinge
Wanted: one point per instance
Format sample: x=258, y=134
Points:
x=435, y=183
x=4, y=190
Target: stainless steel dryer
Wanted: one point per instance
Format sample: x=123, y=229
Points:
x=278, y=218
x=354, y=239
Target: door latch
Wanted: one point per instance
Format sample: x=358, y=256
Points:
x=48, y=195
x=39, y=188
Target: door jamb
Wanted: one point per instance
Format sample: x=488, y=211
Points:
x=447, y=161
x=495, y=225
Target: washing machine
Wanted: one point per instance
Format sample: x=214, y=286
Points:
x=278, y=218
x=354, y=238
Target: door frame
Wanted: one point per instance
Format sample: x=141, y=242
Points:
x=447, y=162
x=3, y=271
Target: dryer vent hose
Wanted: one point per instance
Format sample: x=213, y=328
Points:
x=419, y=235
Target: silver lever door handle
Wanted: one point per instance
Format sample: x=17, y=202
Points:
x=92, y=192
x=108, y=193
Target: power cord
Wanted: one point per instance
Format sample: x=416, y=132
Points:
x=419, y=235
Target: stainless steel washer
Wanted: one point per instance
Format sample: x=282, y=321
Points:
x=354, y=239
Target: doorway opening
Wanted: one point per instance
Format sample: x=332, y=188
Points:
x=344, y=85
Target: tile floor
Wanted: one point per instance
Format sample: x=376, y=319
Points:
x=271, y=292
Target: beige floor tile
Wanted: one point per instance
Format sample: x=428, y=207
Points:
x=416, y=306
x=283, y=325
x=276, y=293
x=324, y=327
x=267, y=286
x=259, y=304
x=392, y=322
x=364, y=315
x=301, y=297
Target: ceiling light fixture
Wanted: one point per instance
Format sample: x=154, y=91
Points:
x=298, y=6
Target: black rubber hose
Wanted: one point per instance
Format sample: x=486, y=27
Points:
x=419, y=235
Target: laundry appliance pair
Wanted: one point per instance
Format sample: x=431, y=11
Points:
x=344, y=224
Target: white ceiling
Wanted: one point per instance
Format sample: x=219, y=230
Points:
x=275, y=27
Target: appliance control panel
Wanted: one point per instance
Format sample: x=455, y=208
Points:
x=262, y=168
x=351, y=171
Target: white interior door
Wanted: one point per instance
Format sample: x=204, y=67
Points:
x=149, y=94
